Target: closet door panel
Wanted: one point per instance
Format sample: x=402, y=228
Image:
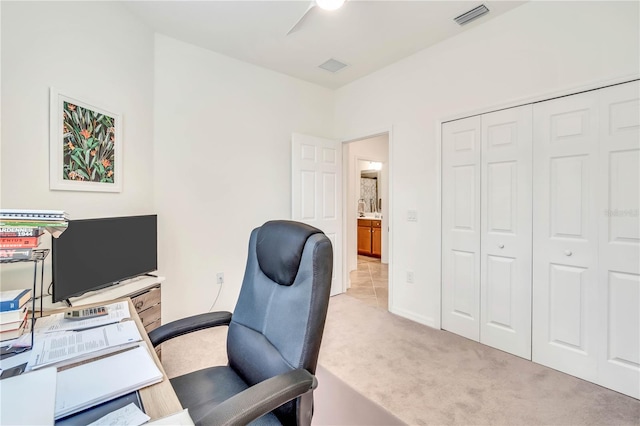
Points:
x=568, y=179
x=565, y=234
x=498, y=293
x=619, y=242
x=567, y=292
x=461, y=227
x=505, y=285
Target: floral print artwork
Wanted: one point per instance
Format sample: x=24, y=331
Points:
x=89, y=145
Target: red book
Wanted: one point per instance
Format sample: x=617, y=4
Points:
x=25, y=231
x=19, y=242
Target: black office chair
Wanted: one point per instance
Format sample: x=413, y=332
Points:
x=274, y=333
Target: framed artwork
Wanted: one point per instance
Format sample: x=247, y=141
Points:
x=85, y=146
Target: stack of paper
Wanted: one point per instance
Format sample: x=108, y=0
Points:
x=29, y=399
x=73, y=346
x=24, y=214
x=54, y=221
x=89, y=384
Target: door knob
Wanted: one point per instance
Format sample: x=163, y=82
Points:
x=501, y=246
x=568, y=252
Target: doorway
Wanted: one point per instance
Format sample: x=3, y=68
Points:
x=366, y=209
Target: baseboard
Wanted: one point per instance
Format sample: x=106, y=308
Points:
x=428, y=321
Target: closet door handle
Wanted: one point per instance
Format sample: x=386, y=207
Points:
x=568, y=252
x=501, y=245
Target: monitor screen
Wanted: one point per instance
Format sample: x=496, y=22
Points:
x=95, y=253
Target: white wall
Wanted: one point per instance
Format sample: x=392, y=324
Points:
x=538, y=48
x=219, y=162
x=94, y=50
x=223, y=162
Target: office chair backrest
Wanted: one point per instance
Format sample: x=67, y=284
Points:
x=279, y=318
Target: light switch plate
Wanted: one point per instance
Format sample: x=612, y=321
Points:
x=410, y=277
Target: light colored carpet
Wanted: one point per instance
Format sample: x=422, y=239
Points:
x=424, y=376
x=335, y=402
x=427, y=376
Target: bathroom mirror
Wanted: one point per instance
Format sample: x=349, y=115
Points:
x=369, y=201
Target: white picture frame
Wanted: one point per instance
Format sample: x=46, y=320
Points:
x=85, y=145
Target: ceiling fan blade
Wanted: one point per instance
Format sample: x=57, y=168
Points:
x=306, y=12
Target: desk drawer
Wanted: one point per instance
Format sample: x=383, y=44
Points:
x=153, y=326
x=146, y=300
x=150, y=316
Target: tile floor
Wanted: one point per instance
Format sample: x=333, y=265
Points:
x=370, y=282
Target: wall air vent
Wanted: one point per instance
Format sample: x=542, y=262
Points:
x=474, y=13
x=332, y=65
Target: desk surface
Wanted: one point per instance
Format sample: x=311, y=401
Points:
x=159, y=400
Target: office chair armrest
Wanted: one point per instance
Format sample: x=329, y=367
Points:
x=262, y=398
x=188, y=325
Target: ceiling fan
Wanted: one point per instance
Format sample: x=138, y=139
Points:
x=322, y=4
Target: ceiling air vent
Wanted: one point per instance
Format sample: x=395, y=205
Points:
x=332, y=65
x=474, y=13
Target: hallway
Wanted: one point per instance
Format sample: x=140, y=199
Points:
x=370, y=282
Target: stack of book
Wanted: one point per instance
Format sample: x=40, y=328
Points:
x=20, y=231
x=13, y=314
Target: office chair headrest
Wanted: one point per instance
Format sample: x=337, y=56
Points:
x=279, y=248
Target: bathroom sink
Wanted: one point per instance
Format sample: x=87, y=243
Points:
x=371, y=216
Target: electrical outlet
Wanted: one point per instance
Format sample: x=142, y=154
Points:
x=412, y=215
x=220, y=277
x=410, y=277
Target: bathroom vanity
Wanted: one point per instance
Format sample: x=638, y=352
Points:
x=369, y=237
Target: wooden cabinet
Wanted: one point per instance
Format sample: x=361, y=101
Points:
x=147, y=304
x=370, y=237
x=364, y=237
x=376, y=240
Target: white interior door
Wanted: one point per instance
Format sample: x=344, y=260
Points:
x=505, y=283
x=565, y=233
x=619, y=239
x=316, y=194
x=461, y=227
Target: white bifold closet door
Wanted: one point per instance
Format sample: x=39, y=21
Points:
x=619, y=239
x=505, y=239
x=486, y=229
x=461, y=147
x=586, y=236
x=565, y=234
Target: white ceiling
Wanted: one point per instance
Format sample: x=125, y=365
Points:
x=366, y=35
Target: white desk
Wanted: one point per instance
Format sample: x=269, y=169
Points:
x=159, y=400
x=110, y=293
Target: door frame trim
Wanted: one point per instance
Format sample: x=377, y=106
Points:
x=541, y=97
x=353, y=138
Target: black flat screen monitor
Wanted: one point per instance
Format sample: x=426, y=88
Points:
x=96, y=253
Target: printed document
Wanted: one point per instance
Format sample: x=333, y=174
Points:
x=57, y=322
x=129, y=415
x=50, y=348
